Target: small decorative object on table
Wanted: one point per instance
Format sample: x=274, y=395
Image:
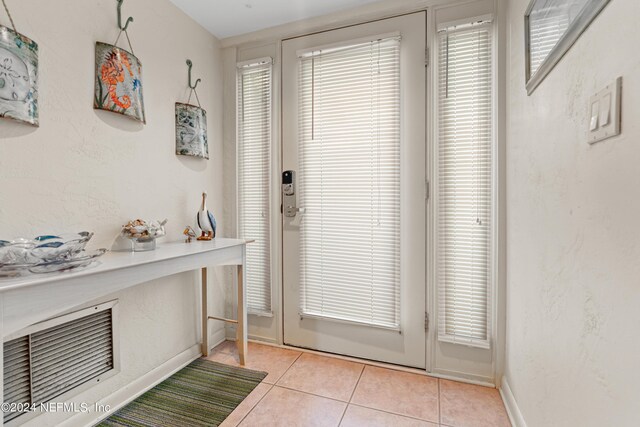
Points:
x=206, y=221
x=190, y=233
x=47, y=253
x=143, y=234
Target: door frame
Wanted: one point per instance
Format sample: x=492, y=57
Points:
x=268, y=42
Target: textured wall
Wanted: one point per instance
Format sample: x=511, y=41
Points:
x=92, y=170
x=573, y=235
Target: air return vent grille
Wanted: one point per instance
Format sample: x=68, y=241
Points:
x=17, y=383
x=50, y=362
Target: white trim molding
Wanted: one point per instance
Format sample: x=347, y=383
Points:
x=354, y=16
x=515, y=416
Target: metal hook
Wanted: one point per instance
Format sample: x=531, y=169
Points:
x=190, y=64
x=129, y=20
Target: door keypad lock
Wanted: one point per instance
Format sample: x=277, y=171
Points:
x=287, y=189
x=290, y=209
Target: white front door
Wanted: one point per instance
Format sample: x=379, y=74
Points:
x=354, y=137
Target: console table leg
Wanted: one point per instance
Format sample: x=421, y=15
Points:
x=205, y=315
x=241, y=330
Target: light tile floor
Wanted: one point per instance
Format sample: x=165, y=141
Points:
x=305, y=389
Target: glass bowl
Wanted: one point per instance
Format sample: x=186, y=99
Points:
x=80, y=260
x=16, y=251
x=59, y=247
x=20, y=254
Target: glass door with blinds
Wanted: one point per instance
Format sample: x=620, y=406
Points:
x=353, y=197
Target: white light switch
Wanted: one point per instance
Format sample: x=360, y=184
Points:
x=595, y=116
x=604, y=112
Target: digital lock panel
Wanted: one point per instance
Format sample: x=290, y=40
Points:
x=289, y=194
x=288, y=178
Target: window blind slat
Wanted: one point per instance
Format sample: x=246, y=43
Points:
x=348, y=183
x=464, y=185
x=254, y=168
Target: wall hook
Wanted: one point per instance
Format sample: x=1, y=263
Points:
x=190, y=64
x=129, y=20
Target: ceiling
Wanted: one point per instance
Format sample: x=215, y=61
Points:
x=227, y=18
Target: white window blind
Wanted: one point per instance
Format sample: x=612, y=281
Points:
x=464, y=187
x=349, y=183
x=254, y=160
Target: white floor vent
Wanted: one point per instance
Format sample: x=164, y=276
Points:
x=56, y=357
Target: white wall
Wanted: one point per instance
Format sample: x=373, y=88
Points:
x=573, y=232
x=92, y=170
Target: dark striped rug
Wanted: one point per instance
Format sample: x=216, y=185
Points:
x=202, y=394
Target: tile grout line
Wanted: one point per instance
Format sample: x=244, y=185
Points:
x=357, y=382
x=271, y=386
x=439, y=409
x=351, y=397
x=343, y=414
x=287, y=370
x=397, y=414
x=310, y=394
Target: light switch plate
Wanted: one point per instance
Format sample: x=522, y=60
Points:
x=604, y=112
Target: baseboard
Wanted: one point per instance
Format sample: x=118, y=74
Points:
x=262, y=340
x=446, y=374
x=217, y=338
x=136, y=388
x=515, y=416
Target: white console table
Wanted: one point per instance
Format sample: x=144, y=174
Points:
x=33, y=298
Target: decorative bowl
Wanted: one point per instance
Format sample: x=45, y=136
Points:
x=81, y=259
x=16, y=251
x=19, y=255
x=143, y=234
x=60, y=247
